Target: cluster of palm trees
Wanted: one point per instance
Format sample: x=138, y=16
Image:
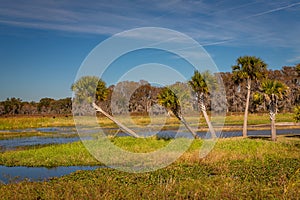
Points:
x=201, y=85
x=248, y=69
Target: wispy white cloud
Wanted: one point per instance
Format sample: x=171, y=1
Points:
x=272, y=10
x=222, y=23
x=295, y=59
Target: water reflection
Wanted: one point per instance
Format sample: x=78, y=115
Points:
x=10, y=144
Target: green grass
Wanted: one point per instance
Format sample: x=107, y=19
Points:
x=50, y=156
x=235, y=169
x=8, y=123
x=76, y=153
x=254, y=119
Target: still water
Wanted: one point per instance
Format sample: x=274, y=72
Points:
x=63, y=136
x=15, y=174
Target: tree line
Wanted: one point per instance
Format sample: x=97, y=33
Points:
x=46, y=106
x=145, y=95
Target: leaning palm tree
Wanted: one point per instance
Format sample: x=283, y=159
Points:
x=169, y=100
x=248, y=68
x=272, y=91
x=202, y=84
x=89, y=89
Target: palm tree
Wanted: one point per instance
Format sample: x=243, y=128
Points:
x=89, y=89
x=169, y=100
x=248, y=68
x=272, y=91
x=202, y=84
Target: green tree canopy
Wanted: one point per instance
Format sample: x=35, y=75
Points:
x=169, y=100
x=273, y=87
x=248, y=67
x=89, y=88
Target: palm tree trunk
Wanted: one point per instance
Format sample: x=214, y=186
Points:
x=203, y=109
x=247, y=108
x=123, y=127
x=181, y=118
x=273, y=118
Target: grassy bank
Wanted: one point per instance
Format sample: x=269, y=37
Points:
x=7, y=123
x=235, y=169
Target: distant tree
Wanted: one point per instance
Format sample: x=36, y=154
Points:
x=272, y=92
x=140, y=100
x=44, y=106
x=248, y=68
x=62, y=106
x=12, y=106
x=124, y=99
x=298, y=69
x=169, y=100
x=202, y=84
x=2, y=110
x=29, y=108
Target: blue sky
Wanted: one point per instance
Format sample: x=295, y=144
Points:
x=43, y=43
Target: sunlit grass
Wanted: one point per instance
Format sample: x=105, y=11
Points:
x=254, y=119
x=161, y=122
x=34, y=122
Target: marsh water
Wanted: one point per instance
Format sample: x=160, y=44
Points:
x=63, y=135
x=15, y=174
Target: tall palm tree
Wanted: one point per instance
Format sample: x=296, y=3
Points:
x=169, y=100
x=202, y=84
x=248, y=68
x=89, y=89
x=272, y=91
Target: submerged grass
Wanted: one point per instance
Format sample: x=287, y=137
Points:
x=10, y=135
x=236, y=168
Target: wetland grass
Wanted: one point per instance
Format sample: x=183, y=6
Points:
x=235, y=169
